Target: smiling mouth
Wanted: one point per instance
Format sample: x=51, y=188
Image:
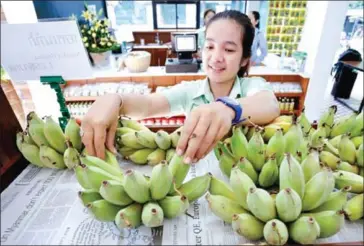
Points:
x=218, y=70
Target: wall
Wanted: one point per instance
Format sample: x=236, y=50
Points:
x=60, y=9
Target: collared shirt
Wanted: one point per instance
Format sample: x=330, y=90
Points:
x=187, y=95
x=259, y=43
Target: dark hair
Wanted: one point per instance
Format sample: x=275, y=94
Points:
x=257, y=18
x=207, y=11
x=247, y=30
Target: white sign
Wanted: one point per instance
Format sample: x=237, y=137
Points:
x=55, y=48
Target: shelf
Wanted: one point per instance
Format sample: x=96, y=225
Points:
x=296, y=111
x=80, y=99
x=288, y=94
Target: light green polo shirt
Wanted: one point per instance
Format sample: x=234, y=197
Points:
x=187, y=95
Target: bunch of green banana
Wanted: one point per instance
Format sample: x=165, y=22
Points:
x=131, y=199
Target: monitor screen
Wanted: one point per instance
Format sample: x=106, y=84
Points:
x=185, y=43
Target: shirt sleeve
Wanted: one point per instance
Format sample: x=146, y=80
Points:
x=262, y=43
x=255, y=84
x=177, y=97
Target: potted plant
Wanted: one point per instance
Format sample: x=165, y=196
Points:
x=97, y=39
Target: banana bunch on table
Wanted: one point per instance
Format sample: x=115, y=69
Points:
x=132, y=199
x=44, y=143
x=137, y=143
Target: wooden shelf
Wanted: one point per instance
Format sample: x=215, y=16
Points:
x=80, y=99
x=296, y=111
x=288, y=94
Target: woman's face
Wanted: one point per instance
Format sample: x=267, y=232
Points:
x=223, y=51
x=209, y=15
x=252, y=19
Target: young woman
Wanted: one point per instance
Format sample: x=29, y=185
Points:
x=212, y=105
x=260, y=42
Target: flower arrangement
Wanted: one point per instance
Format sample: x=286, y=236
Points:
x=95, y=33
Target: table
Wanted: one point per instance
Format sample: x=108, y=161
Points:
x=41, y=207
x=356, y=66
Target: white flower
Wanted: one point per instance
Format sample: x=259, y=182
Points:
x=93, y=45
x=93, y=34
x=109, y=44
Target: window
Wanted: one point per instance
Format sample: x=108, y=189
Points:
x=173, y=15
x=220, y=6
x=137, y=15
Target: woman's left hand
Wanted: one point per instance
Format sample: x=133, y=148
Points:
x=204, y=127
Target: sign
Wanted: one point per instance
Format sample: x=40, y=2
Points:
x=52, y=48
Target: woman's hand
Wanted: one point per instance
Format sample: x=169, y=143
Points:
x=99, y=125
x=204, y=127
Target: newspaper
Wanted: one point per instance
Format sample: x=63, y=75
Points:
x=42, y=207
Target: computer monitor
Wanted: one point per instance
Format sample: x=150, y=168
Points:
x=184, y=44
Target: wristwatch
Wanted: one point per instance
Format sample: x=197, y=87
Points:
x=235, y=106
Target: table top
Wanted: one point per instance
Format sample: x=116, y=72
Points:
x=354, y=64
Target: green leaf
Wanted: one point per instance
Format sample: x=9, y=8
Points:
x=100, y=12
x=85, y=5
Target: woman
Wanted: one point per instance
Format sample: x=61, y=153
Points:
x=260, y=42
x=226, y=54
x=207, y=15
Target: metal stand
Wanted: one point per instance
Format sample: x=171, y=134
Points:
x=54, y=82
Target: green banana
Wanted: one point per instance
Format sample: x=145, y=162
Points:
x=141, y=156
x=160, y=181
x=226, y=160
x=318, y=189
x=335, y=201
x=152, y=215
x=256, y=154
x=126, y=151
x=353, y=209
x=343, y=125
x=344, y=178
x=318, y=136
x=269, y=173
x=329, y=159
x=311, y=165
x=330, y=222
x=275, y=232
x=136, y=186
x=37, y=135
x=146, y=138
x=358, y=127
x=113, y=191
x=335, y=141
x=304, y=122
x=347, y=150
x=345, y=166
x=123, y=130
x=156, y=157
x=327, y=119
x=357, y=141
x=133, y=124
x=269, y=131
x=175, y=137
x=88, y=196
x=72, y=132
x=360, y=156
x=90, y=160
x=240, y=184
x=169, y=154
x=288, y=204
x=248, y=226
x=223, y=207
x=303, y=150
x=219, y=187
x=304, y=230
x=179, y=170
x=31, y=153
x=51, y=158
x=239, y=143
x=130, y=140
x=245, y=165
x=54, y=135
x=293, y=138
x=330, y=148
x=95, y=176
x=103, y=210
x=33, y=118
x=129, y=217
x=276, y=145
x=163, y=140
x=71, y=156
x=174, y=206
x=361, y=172
x=81, y=177
x=111, y=159
x=291, y=175
x=196, y=187
x=261, y=204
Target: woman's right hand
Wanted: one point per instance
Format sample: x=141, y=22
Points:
x=99, y=125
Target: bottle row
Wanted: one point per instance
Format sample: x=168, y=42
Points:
x=287, y=104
